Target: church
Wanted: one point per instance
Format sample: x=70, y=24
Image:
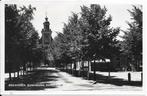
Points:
x=46, y=43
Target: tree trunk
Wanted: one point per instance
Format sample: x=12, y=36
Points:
x=14, y=75
x=66, y=67
x=109, y=74
x=71, y=68
x=24, y=68
x=94, y=71
x=75, y=67
x=137, y=61
x=109, y=70
x=82, y=68
x=88, y=71
x=29, y=66
x=18, y=73
x=10, y=75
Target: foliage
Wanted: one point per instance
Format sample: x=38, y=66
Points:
x=132, y=44
x=87, y=36
x=21, y=37
x=101, y=39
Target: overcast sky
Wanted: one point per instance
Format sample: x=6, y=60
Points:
x=58, y=12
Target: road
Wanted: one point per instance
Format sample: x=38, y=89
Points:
x=51, y=79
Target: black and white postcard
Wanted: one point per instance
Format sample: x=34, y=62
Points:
x=71, y=46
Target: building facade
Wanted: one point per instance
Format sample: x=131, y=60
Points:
x=46, y=43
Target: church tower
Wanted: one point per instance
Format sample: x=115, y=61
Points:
x=47, y=42
x=46, y=34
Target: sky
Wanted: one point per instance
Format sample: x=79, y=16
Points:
x=58, y=12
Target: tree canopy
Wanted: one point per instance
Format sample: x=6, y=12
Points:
x=132, y=44
x=21, y=38
x=88, y=34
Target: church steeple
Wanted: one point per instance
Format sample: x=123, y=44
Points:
x=46, y=33
x=46, y=24
x=47, y=41
x=46, y=18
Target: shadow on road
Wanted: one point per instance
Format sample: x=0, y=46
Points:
x=38, y=79
x=104, y=79
x=115, y=81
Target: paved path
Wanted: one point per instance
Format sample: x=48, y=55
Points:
x=55, y=80
x=68, y=82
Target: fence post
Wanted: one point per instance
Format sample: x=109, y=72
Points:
x=129, y=77
x=141, y=77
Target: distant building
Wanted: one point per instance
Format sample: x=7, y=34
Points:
x=46, y=43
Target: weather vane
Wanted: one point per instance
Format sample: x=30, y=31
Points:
x=46, y=18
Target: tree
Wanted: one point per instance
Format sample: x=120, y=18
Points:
x=132, y=44
x=21, y=37
x=11, y=39
x=68, y=47
x=89, y=36
x=28, y=35
x=74, y=37
x=99, y=39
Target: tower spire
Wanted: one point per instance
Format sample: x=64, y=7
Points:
x=46, y=18
x=46, y=23
x=45, y=13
